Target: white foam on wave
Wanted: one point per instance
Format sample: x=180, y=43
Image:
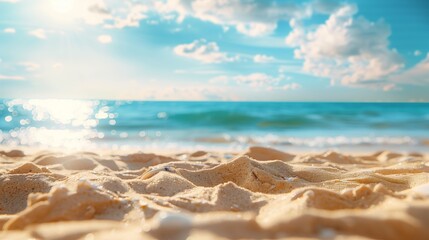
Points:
x=322, y=141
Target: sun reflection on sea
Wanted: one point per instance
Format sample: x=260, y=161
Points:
x=54, y=123
x=74, y=112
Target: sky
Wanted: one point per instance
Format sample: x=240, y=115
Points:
x=221, y=50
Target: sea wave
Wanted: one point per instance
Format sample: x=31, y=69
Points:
x=318, y=141
x=81, y=123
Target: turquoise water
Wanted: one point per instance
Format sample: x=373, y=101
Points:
x=79, y=124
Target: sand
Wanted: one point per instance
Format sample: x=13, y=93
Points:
x=259, y=194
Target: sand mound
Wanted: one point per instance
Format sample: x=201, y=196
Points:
x=142, y=160
x=14, y=190
x=263, y=154
x=245, y=172
x=28, y=168
x=13, y=154
x=60, y=204
x=68, y=162
x=385, y=156
x=163, y=184
x=263, y=193
x=338, y=158
x=223, y=197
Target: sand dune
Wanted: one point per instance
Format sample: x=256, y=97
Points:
x=261, y=193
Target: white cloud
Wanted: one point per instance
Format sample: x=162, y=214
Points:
x=417, y=53
x=193, y=93
x=203, y=51
x=104, y=39
x=38, y=33
x=291, y=86
x=119, y=14
x=260, y=58
x=91, y=12
x=198, y=71
x=30, y=66
x=250, y=17
x=131, y=16
x=260, y=81
x=287, y=87
x=257, y=80
x=345, y=49
x=9, y=30
x=419, y=74
x=13, y=78
x=256, y=29
x=108, y=14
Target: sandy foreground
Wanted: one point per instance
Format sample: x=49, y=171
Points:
x=262, y=193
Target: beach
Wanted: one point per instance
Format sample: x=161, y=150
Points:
x=214, y=119
x=260, y=193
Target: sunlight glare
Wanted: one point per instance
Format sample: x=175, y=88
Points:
x=53, y=122
x=62, y=6
x=62, y=11
x=75, y=112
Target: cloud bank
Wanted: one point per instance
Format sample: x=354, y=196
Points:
x=203, y=51
x=346, y=49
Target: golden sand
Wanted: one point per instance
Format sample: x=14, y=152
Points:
x=260, y=194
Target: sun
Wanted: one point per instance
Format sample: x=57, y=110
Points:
x=62, y=6
x=70, y=13
x=62, y=12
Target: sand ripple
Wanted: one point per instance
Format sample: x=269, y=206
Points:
x=262, y=193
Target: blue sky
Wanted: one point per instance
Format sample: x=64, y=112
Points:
x=247, y=50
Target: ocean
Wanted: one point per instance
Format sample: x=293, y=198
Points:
x=226, y=126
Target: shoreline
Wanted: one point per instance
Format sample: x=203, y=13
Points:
x=259, y=193
x=108, y=150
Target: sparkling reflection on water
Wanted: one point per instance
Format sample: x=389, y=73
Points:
x=52, y=122
x=226, y=126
